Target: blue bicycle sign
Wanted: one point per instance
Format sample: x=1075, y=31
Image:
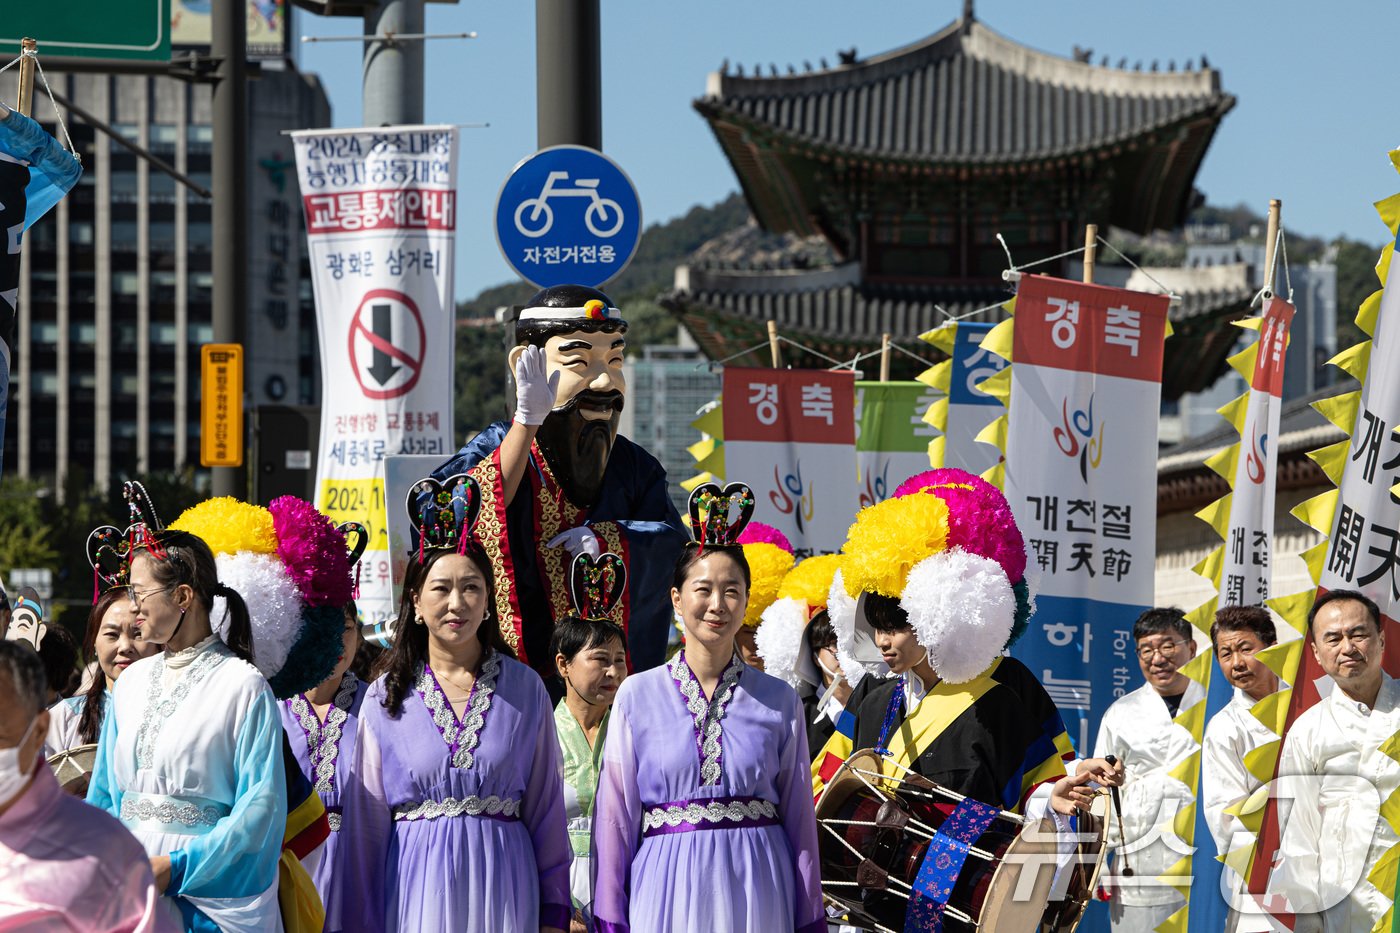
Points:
x=568, y=215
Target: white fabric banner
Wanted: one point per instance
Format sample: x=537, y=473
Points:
x=1245, y=573
x=1081, y=469
x=381, y=217
x=790, y=435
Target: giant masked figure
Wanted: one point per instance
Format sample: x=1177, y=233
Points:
x=558, y=481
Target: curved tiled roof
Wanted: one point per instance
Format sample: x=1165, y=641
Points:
x=967, y=95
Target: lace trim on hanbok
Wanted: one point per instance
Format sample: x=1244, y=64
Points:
x=323, y=739
x=334, y=820
x=159, y=709
x=707, y=716
x=719, y=813
x=138, y=809
x=463, y=735
x=500, y=807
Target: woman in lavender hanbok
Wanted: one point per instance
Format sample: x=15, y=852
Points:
x=704, y=818
x=454, y=805
x=320, y=725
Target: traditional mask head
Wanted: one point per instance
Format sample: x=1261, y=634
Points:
x=582, y=335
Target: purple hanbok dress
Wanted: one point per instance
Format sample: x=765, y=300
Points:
x=704, y=819
x=325, y=752
x=456, y=824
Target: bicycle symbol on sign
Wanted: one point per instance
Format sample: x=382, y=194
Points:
x=603, y=216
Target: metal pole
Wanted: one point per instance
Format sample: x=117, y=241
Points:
x=229, y=211
x=393, y=71
x=568, y=73
x=775, y=353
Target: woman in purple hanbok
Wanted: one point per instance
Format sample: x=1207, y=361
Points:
x=454, y=808
x=704, y=819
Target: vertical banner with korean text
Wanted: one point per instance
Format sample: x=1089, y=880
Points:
x=1363, y=548
x=970, y=409
x=380, y=223
x=790, y=434
x=1245, y=573
x=891, y=436
x=1081, y=477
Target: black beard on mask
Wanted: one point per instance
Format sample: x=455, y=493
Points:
x=577, y=448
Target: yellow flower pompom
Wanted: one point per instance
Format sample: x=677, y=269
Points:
x=768, y=564
x=229, y=526
x=810, y=580
x=890, y=537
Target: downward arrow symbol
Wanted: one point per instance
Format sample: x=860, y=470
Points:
x=382, y=367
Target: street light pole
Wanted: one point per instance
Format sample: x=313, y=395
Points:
x=230, y=209
x=393, y=68
x=568, y=73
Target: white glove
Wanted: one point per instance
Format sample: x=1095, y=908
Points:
x=576, y=541
x=534, y=387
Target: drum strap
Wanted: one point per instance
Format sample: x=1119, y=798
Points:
x=943, y=861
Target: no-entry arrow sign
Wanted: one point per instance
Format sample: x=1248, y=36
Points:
x=386, y=353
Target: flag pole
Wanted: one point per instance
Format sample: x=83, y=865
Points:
x=1091, y=248
x=1270, y=241
x=774, y=350
x=25, y=102
x=884, y=357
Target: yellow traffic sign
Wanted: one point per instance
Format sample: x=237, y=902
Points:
x=221, y=405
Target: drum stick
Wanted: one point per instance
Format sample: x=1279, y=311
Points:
x=1118, y=809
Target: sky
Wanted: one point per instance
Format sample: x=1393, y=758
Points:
x=1312, y=125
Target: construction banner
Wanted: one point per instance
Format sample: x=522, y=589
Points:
x=790, y=435
x=381, y=221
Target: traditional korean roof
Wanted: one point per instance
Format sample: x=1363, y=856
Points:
x=962, y=101
x=832, y=311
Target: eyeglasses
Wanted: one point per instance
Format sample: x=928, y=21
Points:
x=1166, y=649
x=137, y=597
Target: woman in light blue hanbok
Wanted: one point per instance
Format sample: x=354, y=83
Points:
x=190, y=757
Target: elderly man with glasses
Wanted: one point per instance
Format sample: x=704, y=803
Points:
x=64, y=865
x=1139, y=729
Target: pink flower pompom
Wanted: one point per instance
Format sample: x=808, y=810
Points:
x=979, y=517
x=759, y=533
x=313, y=551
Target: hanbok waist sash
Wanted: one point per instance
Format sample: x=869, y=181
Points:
x=185, y=816
x=496, y=808
x=684, y=816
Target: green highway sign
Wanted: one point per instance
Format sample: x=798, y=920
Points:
x=130, y=30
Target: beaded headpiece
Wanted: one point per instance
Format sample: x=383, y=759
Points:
x=443, y=513
x=596, y=585
x=109, y=548
x=710, y=509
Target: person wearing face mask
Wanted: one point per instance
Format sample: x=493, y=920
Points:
x=591, y=656
x=703, y=819
x=114, y=642
x=454, y=804
x=320, y=724
x=65, y=867
x=1139, y=728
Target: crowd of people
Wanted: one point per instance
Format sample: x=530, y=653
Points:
x=446, y=784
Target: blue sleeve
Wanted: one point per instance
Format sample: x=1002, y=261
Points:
x=52, y=171
x=102, y=792
x=238, y=857
x=474, y=451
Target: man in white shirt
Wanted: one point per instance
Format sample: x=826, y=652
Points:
x=1139, y=730
x=1334, y=776
x=1237, y=636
